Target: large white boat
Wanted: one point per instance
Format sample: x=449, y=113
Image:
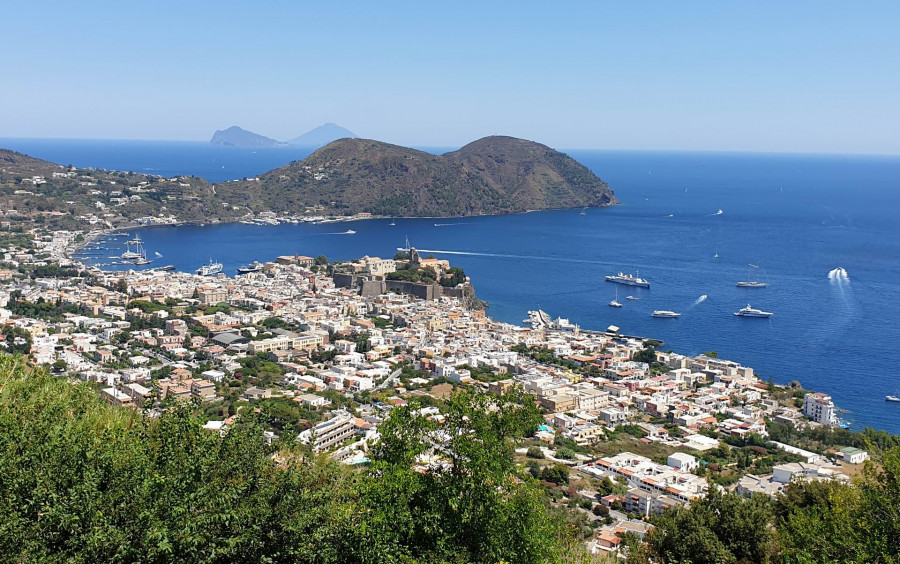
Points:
x=755, y=283
x=752, y=312
x=891, y=398
x=665, y=313
x=628, y=279
x=210, y=269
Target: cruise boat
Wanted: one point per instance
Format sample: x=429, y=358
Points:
x=755, y=283
x=255, y=266
x=891, y=398
x=628, y=280
x=665, y=313
x=752, y=312
x=210, y=269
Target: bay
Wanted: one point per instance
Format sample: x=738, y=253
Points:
x=798, y=216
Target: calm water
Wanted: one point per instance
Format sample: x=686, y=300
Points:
x=799, y=217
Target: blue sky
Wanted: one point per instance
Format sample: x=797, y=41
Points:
x=760, y=76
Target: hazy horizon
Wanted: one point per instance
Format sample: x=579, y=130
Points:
x=803, y=77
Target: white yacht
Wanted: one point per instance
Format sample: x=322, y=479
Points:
x=752, y=312
x=665, y=313
x=630, y=298
x=891, y=398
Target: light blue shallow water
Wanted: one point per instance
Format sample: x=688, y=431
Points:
x=797, y=216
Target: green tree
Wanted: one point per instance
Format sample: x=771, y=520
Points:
x=718, y=528
x=463, y=506
x=647, y=355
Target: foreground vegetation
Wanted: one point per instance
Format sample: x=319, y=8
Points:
x=81, y=481
x=815, y=522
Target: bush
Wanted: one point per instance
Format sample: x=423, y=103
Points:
x=534, y=452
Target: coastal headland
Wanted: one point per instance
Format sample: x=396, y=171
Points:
x=348, y=178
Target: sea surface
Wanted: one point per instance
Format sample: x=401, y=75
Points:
x=799, y=217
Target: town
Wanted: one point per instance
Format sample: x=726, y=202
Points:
x=326, y=350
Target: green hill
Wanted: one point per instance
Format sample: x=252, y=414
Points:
x=494, y=175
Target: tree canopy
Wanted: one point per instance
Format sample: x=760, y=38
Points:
x=83, y=481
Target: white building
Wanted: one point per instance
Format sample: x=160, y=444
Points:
x=683, y=461
x=854, y=455
x=819, y=408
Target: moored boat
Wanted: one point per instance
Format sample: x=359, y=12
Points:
x=752, y=312
x=255, y=266
x=210, y=269
x=755, y=283
x=664, y=313
x=628, y=279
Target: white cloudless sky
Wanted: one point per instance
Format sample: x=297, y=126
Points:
x=804, y=76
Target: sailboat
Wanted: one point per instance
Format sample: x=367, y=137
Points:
x=615, y=302
x=755, y=283
x=135, y=254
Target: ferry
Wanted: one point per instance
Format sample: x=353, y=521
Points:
x=665, y=314
x=891, y=398
x=255, y=266
x=628, y=280
x=752, y=312
x=210, y=269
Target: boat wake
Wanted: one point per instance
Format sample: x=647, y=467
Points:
x=699, y=301
x=500, y=255
x=839, y=277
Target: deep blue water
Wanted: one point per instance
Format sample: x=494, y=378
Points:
x=798, y=216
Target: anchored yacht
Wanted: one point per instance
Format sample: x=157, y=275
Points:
x=752, y=312
x=665, y=314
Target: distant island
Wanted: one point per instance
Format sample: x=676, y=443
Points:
x=234, y=136
x=348, y=178
x=320, y=136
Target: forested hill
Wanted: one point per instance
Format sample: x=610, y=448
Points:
x=494, y=175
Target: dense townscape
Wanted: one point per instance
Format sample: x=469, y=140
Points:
x=324, y=352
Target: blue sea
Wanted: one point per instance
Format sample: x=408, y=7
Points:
x=799, y=217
